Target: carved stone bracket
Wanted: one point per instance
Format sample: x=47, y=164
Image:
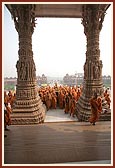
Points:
x=92, y=17
x=24, y=17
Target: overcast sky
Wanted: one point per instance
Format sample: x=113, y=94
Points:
x=59, y=46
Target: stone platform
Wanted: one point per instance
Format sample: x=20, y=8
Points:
x=58, y=115
x=55, y=143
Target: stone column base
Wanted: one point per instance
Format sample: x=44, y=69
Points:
x=25, y=113
x=83, y=110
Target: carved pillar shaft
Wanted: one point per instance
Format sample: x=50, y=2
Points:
x=92, y=19
x=28, y=106
x=93, y=16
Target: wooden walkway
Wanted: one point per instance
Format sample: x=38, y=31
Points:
x=53, y=143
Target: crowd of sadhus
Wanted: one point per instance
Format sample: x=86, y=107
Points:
x=63, y=97
x=96, y=106
x=8, y=104
x=107, y=97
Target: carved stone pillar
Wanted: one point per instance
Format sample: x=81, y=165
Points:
x=28, y=108
x=92, y=19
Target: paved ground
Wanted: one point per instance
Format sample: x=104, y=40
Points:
x=58, y=115
x=58, y=143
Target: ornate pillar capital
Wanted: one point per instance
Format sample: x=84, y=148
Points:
x=24, y=17
x=92, y=17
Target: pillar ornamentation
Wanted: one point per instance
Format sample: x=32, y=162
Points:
x=92, y=19
x=28, y=107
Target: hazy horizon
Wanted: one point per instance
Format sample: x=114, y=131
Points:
x=53, y=76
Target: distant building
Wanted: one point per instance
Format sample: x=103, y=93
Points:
x=42, y=80
x=107, y=80
x=10, y=81
x=79, y=75
x=70, y=80
x=77, y=79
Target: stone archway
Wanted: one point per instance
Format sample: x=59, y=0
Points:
x=28, y=107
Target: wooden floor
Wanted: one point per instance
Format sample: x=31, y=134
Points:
x=64, y=142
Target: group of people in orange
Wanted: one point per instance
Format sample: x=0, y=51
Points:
x=9, y=99
x=96, y=106
x=107, y=97
x=63, y=97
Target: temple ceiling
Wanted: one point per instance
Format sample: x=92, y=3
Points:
x=58, y=10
